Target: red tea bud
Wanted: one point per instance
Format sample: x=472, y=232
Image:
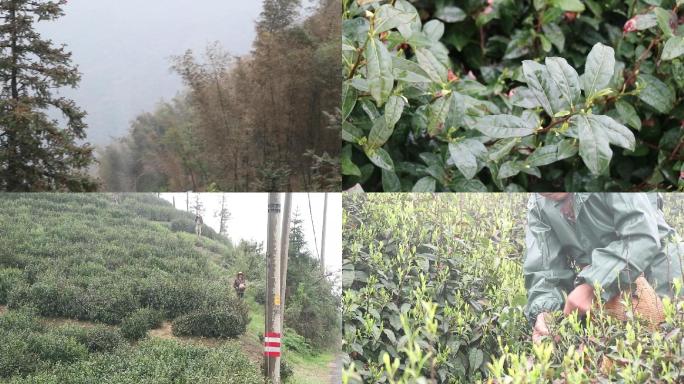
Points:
x=630, y=25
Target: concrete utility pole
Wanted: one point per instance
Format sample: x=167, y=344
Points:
x=325, y=221
x=284, y=251
x=273, y=331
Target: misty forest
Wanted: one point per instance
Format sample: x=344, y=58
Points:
x=264, y=120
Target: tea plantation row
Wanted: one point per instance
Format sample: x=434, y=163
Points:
x=128, y=262
x=434, y=293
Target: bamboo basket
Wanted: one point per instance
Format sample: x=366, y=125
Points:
x=645, y=304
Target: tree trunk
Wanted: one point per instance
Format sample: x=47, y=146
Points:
x=11, y=173
x=14, y=52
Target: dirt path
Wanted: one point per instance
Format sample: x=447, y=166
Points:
x=3, y=309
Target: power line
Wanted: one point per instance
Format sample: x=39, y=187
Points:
x=313, y=227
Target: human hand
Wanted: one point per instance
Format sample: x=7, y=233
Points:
x=580, y=299
x=540, y=328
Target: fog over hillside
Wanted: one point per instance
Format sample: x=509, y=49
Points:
x=123, y=49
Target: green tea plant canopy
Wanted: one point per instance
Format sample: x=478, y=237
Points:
x=503, y=95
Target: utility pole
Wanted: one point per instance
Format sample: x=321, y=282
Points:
x=325, y=221
x=284, y=251
x=174, y=201
x=187, y=201
x=272, y=334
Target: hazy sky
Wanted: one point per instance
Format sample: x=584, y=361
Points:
x=249, y=218
x=123, y=48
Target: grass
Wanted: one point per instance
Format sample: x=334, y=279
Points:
x=308, y=368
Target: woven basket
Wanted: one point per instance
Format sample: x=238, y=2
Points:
x=645, y=304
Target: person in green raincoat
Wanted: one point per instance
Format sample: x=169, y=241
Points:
x=576, y=241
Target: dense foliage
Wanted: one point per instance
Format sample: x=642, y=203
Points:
x=264, y=121
x=312, y=303
x=212, y=322
x=473, y=95
x=102, y=257
x=38, y=152
x=31, y=352
x=132, y=263
x=136, y=325
x=434, y=292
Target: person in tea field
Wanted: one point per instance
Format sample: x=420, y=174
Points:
x=240, y=285
x=198, y=225
x=576, y=241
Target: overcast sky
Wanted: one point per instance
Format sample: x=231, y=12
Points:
x=249, y=218
x=123, y=49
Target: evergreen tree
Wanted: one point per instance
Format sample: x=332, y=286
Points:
x=278, y=14
x=198, y=207
x=224, y=215
x=36, y=151
x=311, y=305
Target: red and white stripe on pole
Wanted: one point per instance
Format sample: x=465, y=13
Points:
x=272, y=344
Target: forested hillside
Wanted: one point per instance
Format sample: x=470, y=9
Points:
x=119, y=288
x=264, y=121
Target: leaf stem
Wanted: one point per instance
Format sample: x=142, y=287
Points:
x=357, y=63
x=637, y=65
x=554, y=123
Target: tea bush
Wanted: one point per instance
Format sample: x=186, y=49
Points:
x=26, y=345
x=474, y=95
x=8, y=278
x=98, y=338
x=53, y=348
x=136, y=325
x=114, y=259
x=155, y=361
x=213, y=322
x=433, y=292
x=94, y=258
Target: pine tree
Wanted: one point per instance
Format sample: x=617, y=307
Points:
x=224, y=215
x=278, y=14
x=198, y=207
x=37, y=153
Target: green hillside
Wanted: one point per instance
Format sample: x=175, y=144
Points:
x=111, y=287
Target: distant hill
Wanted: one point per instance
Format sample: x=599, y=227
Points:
x=123, y=49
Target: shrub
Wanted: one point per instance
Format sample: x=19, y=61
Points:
x=421, y=280
x=292, y=341
x=51, y=297
x=259, y=291
x=213, y=322
x=56, y=348
x=15, y=357
x=183, y=225
x=433, y=291
x=468, y=95
x=103, y=339
x=156, y=361
x=109, y=302
x=135, y=326
x=14, y=321
x=8, y=278
x=99, y=338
